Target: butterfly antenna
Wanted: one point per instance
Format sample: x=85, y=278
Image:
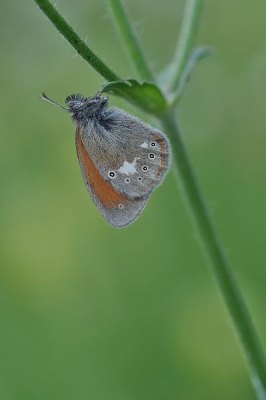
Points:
x=44, y=97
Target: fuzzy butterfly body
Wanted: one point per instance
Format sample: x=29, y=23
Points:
x=122, y=159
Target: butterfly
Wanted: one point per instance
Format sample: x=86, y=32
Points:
x=122, y=159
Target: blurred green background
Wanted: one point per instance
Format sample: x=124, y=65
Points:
x=90, y=312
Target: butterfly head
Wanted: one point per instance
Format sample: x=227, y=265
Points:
x=83, y=108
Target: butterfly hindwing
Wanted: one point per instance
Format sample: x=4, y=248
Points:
x=130, y=155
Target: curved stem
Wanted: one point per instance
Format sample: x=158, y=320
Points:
x=129, y=39
x=215, y=255
x=186, y=38
x=79, y=45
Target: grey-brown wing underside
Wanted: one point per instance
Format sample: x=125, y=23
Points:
x=130, y=155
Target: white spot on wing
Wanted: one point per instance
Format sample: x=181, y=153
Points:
x=144, y=145
x=129, y=168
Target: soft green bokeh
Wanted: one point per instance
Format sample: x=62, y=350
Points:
x=90, y=312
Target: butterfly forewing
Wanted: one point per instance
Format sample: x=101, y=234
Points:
x=117, y=209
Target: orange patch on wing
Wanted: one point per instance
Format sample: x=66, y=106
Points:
x=102, y=189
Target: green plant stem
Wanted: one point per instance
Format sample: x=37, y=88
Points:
x=186, y=38
x=216, y=257
x=129, y=40
x=79, y=45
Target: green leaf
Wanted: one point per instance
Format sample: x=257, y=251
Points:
x=144, y=95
